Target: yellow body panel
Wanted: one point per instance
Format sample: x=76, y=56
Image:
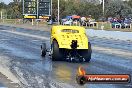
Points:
x=65, y=34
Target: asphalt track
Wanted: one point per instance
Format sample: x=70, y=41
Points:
x=21, y=62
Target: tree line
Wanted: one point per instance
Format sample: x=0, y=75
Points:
x=115, y=8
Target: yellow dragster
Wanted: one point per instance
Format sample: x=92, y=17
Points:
x=69, y=42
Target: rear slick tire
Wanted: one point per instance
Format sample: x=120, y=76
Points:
x=87, y=53
x=56, y=52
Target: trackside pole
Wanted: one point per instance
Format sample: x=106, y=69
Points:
x=97, y=25
x=32, y=22
x=37, y=23
x=1, y=14
x=102, y=26
x=58, y=12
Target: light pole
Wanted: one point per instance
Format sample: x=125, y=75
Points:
x=58, y=11
x=1, y=17
x=102, y=27
x=51, y=9
x=1, y=14
x=37, y=9
x=103, y=7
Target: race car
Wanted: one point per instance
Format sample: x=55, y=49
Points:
x=68, y=43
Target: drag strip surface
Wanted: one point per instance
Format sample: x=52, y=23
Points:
x=20, y=52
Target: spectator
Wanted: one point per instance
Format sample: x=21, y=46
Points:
x=110, y=19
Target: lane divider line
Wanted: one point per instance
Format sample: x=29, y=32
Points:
x=117, y=52
x=26, y=34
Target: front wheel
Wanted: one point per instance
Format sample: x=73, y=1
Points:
x=43, y=49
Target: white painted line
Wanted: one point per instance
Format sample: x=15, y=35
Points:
x=118, y=52
x=6, y=71
x=116, y=35
x=101, y=49
x=26, y=34
x=53, y=83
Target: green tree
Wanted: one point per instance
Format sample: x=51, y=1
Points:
x=3, y=8
x=130, y=3
x=118, y=8
x=94, y=10
x=73, y=7
x=15, y=10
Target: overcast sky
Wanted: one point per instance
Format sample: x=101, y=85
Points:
x=6, y=1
